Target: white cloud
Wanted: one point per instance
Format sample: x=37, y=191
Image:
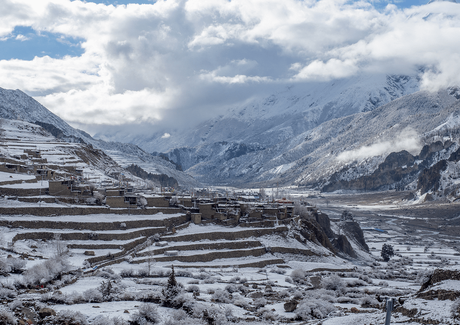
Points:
x=166, y=136
x=178, y=61
x=407, y=140
x=22, y=38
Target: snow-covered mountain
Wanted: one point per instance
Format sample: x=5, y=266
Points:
x=264, y=122
x=357, y=143
x=252, y=143
x=16, y=105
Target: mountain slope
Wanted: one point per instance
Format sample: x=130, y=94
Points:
x=246, y=142
x=361, y=141
x=16, y=105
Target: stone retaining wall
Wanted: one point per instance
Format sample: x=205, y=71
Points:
x=91, y=236
x=21, y=192
x=288, y=250
x=259, y=264
x=126, y=247
x=226, y=235
x=221, y=245
x=208, y=256
x=75, y=210
x=94, y=226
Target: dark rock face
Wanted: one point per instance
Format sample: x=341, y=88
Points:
x=342, y=244
x=388, y=173
x=325, y=223
x=455, y=156
x=313, y=231
x=429, y=178
x=354, y=230
x=397, y=159
x=441, y=275
x=430, y=148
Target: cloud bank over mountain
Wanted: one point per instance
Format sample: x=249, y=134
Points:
x=173, y=63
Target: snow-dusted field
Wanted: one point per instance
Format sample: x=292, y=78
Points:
x=131, y=279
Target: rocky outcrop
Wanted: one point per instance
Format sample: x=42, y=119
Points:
x=325, y=223
x=313, y=231
x=354, y=231
x=429, y=179
x=440, y=275
x=396, y=168
x=342, y=244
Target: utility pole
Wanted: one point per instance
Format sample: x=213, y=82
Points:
x=390, y=305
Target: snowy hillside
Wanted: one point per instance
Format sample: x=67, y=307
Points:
x=16, y=105
x=362, y=139
x=249, y=141
x=266, y=121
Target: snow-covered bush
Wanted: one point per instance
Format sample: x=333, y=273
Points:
x=193, y=282
x=146, y=315
x=46, y=271
x=181, y=317
x=108, y=273
x=4, y=266
x=231, y=288
x=383, y=284
x=309, y=309
x=67, y=317
x=127, y=273
x=260, y=302
x=109, y=290
x=368, y=301
x=7, y=293
x=15, y=304
x=240, y=302
x=333, y=282
x=267, y=315
x=298, y=275
x=210, y=280
x=193, y=288
x=17, y=265
x=355, y=283
x=93, y=295
x=221, y=296
x=105, y=320
x=7, y=317
x=278, y=271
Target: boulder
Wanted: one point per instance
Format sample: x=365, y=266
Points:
x=45, y=312
x=290, y=306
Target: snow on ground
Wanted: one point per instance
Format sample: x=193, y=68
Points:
x=39, y=184
x=7, y=177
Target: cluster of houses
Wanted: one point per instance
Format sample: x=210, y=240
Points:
x=66, y=184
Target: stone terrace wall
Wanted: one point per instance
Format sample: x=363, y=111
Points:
x=207, y=257
x=94, y=226
x=219, y=245
x=75, y=210
x=226, y=235
x=91, y=236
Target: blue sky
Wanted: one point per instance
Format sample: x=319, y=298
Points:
x=25, y=43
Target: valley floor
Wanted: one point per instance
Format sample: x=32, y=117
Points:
x=239, y=275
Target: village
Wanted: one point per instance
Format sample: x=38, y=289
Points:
x=82, y=237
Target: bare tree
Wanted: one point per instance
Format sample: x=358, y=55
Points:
x=59, y=246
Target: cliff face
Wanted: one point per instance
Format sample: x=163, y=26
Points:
x=400, y=169
x=355, y=232
x=317, y=228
